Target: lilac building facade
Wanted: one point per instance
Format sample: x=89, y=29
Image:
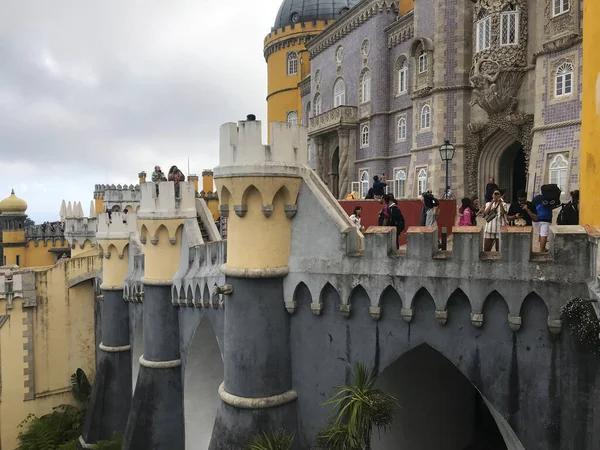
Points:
x=499, y=79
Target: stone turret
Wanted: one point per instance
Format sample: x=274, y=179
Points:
x=111, y=397
x=157, y=398
x=258, y=186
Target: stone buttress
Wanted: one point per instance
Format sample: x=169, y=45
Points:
x=111, y=394
x=156, y=419
x=258, y=186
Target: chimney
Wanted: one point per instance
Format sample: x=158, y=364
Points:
x=250, y=118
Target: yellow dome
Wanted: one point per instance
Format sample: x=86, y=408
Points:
x=13, y=205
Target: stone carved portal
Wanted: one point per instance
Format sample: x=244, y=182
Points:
x=496, y=76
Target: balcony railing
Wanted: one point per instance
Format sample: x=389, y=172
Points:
x=334, y=119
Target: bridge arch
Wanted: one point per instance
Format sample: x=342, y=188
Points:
x=202, y=378
x=438, y=404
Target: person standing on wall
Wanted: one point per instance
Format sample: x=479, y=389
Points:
x=489, y=190
x=495, y=217
x=519, y=214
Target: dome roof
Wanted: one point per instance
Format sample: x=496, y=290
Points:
x=13, y=205
x=297, y=11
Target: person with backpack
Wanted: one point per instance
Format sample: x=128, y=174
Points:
x=544, y=203
x=395, y=217
x=569, y=212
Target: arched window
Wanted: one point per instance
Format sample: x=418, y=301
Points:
x=364, y=183
x=292, y=63
x=292, y=118
x=558, y=172
x=425, y=117
x=422, y=61
x=365, y=87
x=509, y=25
x=339, y=93
x=561, y=6
x=403, y=77
x=564, y=80
x=364, y=135
x=421, y=181
x=401, y=129
x=400, y=184
x=483, y=37
x=317, y=104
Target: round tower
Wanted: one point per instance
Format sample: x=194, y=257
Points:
x=157, y=398
x=12, y=210
x=110, y=402
x=258, y=187
x=285, y=52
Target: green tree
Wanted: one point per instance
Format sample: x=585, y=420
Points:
x=60, y=430
x=357, y=409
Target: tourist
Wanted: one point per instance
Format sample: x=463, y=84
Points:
x=569, y=213
x=519, y=214
x=379, y=186
x=383, y=217
x=466, y=213
x=395, y=217
x=475, y=208
x=158, y=175
x=176, y=176
x=432, y=209
x=355, y=218
x=423, y=219
x=489, y=190
x=495, y=217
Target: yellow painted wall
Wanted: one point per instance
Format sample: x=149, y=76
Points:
x=590, y=129
x=406, y=6
x=213, y=205
x=162, y=258
x=86, y=250
x=63, y=340
x=99, y=205
x=283, y=94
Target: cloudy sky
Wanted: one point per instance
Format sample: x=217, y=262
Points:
x=97, y=91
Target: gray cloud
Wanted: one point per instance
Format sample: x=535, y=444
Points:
x=93, y=92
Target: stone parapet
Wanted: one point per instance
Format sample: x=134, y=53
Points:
x=17, y=284
x=79, y=230
x=158, y=201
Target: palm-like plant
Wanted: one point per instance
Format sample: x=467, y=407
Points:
x=358, y=408
x=277, y=440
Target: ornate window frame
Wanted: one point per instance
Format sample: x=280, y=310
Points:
x=365, y=47
x=365, y=134
x=555, y=65
x=401, y=77
x=509, y=18
x=423, y=80
x=397, y=180
x=561, y=7
x=364, y=95
x=565, y=24
x=398, y=128
x=553, y=158
x=339, y=54
x=364, y=180
x=421, y=180
x=291, y=64
x=317, y=104
x=483, y=33
x=337, y=95
x=424, y=112
x=291, y=117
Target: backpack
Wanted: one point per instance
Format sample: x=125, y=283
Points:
x=551, y=195
x=396, y=218
x=568, y=215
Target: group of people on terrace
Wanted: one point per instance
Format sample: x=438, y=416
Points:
x=496, y=211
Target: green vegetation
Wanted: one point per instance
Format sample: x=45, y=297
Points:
x=357, y=409
x=277, y=440
x=60, y=430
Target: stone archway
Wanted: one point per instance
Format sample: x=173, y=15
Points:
x=503, y=158
x=439, y=408
x=202, y=377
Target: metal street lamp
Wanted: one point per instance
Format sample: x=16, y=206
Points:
x=447, y=152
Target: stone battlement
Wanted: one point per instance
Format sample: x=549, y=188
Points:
x=158, y=201
x=99, y=188
x=79, y=230
x=241, y=146
x=116, y=225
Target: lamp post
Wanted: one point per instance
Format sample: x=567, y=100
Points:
x=447, y=153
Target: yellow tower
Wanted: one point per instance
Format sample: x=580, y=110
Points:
x=13, y=218
x=285, y=52
x=590, y=130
